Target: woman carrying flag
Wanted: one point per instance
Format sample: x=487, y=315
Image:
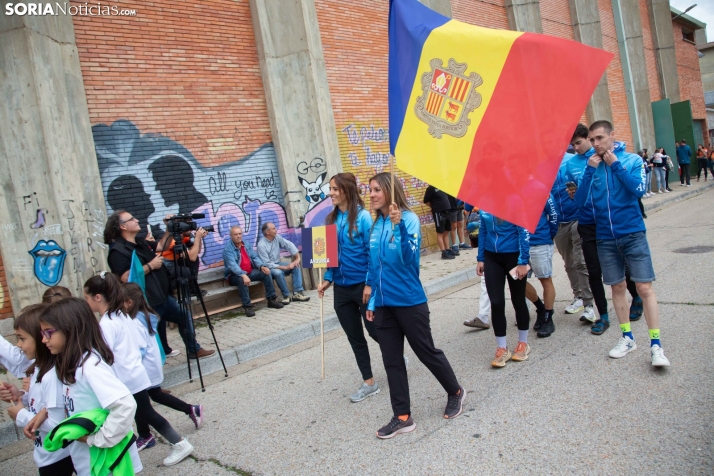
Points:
x=351, y=294
x=398, y=304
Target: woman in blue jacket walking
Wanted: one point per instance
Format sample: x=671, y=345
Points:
x=502, y=247
x=351, y=294
x=398, y=304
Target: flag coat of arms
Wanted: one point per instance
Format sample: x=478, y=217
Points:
x=319, y=247
x=484, y=114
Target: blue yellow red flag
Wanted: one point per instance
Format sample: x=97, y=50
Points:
x=319, y=247
x=484, y=114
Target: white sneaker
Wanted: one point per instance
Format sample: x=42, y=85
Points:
x=406, y=361
x=575, y=306
x=179, y=452
x=173, y=353
x=588, y=315
x=660, y=191
x=624, y=346
x=666, y=191
x=658, y=358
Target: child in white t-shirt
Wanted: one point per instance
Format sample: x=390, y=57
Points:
x=72, y=334
x=146, y=321
x=44, y=397
x=105, y=297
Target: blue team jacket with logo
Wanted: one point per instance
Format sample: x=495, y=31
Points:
x=547, y=225
x=394, y=263
x=615, y=190
x=567, y=210
x=575, y=170
x=352, y=253
x=499, y=236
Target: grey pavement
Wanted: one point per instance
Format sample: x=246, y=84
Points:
x=569, y=409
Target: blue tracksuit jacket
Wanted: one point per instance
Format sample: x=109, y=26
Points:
x=352, y=253
x=547, y=225
x=499, y=236
x=575, y=170
x=615, y=190
x=394, y=263
x=567, y=211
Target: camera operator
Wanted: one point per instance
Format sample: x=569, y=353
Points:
x=120, y=234
x=193, y=244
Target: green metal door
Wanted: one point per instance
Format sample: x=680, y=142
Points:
x=664, y=131
x=698, y=137
x=682, y=121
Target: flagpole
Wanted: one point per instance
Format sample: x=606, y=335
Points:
x=322, y=324
x=391, y=178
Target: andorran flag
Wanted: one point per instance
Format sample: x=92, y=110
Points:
x=319, y=247
x=483, y=114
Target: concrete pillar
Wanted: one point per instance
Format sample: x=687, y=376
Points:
x=587, y=30
x=440, y=6
x=628, y=26
x=663, y=41
x=51, y=202
x=298, y=99
x=524, y=15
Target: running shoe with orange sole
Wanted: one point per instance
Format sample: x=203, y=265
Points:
x=521, y=352
x=502, y=356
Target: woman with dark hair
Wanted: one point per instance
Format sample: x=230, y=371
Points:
x=398, y=304
x=39, y=410
x=351, y=294
x=669, y=166
x=83, y=365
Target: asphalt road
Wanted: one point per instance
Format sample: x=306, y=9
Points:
x=569, y=409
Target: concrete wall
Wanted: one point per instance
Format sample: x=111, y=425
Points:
x=524, y=15
x=51, y=204
x=663, y=41
x=587, y=30
x=298, y=99
x=629, y=33
x=706, y=67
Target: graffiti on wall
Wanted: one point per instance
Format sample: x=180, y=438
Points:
x=151, y=175
x=365, y=152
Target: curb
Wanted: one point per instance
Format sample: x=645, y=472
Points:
x=677, y=198
x=288, y=337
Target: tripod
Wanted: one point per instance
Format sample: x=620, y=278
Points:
x=185, y=280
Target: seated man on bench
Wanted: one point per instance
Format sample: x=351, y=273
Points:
x=243, y=265
x=269, y=248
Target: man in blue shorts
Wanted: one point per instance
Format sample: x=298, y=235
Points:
x=616, y=180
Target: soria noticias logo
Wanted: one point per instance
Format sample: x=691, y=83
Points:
x=65, y=8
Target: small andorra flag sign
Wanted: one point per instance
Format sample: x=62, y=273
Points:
x=319, y=247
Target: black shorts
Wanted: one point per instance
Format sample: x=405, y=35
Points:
x=441, y=221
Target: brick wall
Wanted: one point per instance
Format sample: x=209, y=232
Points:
x=5, y=305
x=179, y=116
x=487, y=13
x=615, y=78
x=355, y=43
x=690, y=79
x=650, y=60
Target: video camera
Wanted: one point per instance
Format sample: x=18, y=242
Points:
x=184, y=222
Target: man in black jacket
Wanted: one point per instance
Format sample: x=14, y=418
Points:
x=120, y=234
x=438, y=200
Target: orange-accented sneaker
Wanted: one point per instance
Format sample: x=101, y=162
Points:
x=502, y=356
x=521, y=352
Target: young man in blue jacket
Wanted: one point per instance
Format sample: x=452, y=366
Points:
x=567, y=241
x=541, y=262
x=616, y=180
x=684, y=157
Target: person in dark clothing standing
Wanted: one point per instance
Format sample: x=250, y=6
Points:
x=120, y=234
x=684, y=157
x=438, y=200
x=702, y=162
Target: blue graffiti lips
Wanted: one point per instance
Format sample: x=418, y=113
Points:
x=49, y=262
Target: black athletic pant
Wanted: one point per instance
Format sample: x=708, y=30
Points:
x=666, y=178
x=146, y=415
x=63, y=467
x=496, y=271
x=684, y=172
x=351, y=313
x=589, y=246
x=702, y=164
x=158, y=396
x=393, y=324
